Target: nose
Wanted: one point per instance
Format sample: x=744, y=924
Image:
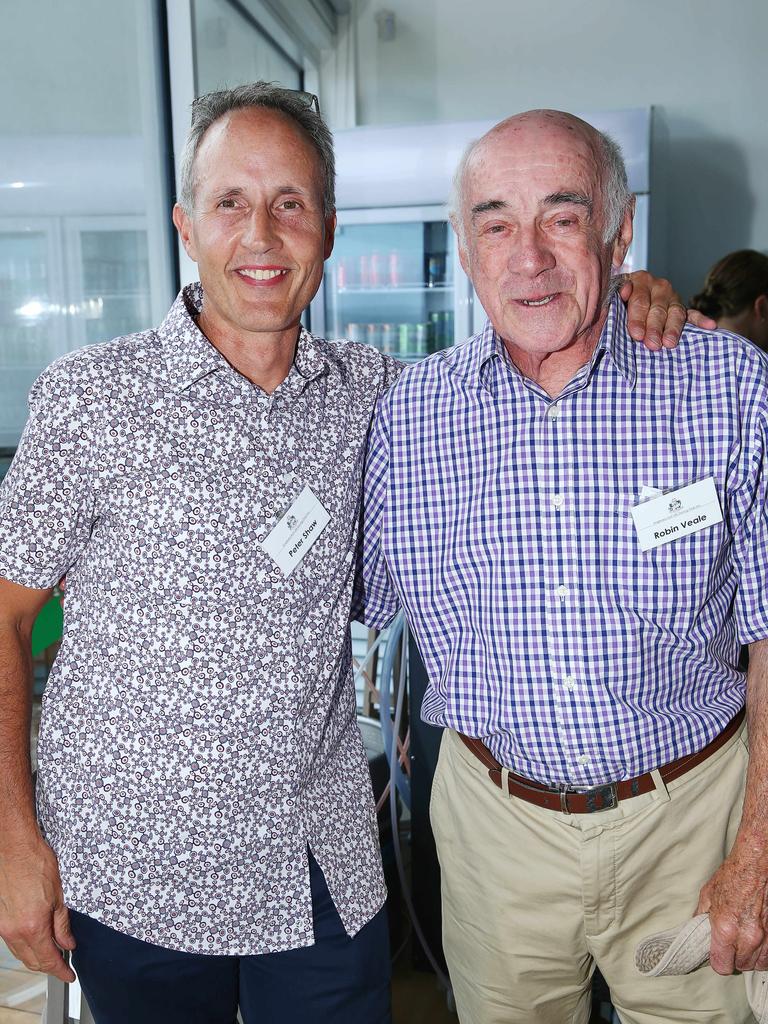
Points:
x=259, y=234
x=532, y=253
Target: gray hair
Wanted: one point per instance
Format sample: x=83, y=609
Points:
x=617, y=198
x=296, y=105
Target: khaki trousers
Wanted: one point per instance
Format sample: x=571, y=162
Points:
x=533, y=899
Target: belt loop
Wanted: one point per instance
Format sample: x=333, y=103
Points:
x=661, y=786
x=505, y=780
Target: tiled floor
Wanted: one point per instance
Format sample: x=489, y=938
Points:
x=21, y=993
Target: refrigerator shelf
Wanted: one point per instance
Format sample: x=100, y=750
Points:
x=404, y=289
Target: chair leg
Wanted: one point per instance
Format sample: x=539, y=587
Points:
x=56, y=1003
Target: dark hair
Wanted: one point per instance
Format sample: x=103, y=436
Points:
x=294, y=104
x=733, y=284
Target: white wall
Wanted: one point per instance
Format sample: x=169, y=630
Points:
x=69, y=67
x=701, y=63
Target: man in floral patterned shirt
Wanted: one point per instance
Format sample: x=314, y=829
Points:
x=203, y=787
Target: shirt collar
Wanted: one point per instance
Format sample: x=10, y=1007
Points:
x=614, y=340
x=189, y=355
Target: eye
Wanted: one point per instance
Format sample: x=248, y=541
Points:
x=291, y=204
x=228, y=203
x=564, y=222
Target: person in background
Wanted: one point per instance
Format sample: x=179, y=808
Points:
x=735, y=294
x=205, y=832
x=577, y=531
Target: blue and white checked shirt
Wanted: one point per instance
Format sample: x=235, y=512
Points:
x=500, y=519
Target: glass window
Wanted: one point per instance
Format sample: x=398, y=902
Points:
x=85, y=231
x=231, y=49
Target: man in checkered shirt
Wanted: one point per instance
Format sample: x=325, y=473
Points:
x=577, y=531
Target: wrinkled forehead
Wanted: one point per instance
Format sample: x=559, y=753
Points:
x=528, y=151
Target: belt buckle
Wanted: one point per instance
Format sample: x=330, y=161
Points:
x=599, y=798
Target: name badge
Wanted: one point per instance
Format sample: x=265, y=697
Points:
x=296, y=532
x=676, y=514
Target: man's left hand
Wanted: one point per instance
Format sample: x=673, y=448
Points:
x=735, y=899
x=656, y=314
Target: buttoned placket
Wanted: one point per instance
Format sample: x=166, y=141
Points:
x=559, y=518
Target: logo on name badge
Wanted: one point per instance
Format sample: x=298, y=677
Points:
x=295, y=534
x=675, y=505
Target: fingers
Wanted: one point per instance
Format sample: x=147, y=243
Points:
x=655, y=313
x=677, y=315
x=699, y=320
x=705, y=900
x=38, y=952
x=722, y=949
x=639, y=304
x=62, y=932
x=761, y=961
x=656, y=335
x=735, y=945
x=625, y=289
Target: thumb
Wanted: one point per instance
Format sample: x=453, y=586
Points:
x=705, y=900
x=62, y=931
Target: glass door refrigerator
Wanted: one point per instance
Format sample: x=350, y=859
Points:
x=394, y=282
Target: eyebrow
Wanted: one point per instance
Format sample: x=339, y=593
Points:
x=237, y=190
x=553, y=199
x=488, y=205
x=569, y=198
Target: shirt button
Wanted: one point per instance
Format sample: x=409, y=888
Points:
x=558, y=501
x=553, y=412
x=583, y=760
x=569, y=683
x=562, y=591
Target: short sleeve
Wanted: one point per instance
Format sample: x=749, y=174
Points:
x=46, y=498
x=375, y=601
x=749, y=514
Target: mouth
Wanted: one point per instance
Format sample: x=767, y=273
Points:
x=543, y=301
x=262, y=275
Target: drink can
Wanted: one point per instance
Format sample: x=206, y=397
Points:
x=404, y=339
x=447, y=317
x=375, y=269
x=394, y=269
x=365, y=271
x=388, y=338
x=436, y=332
x=355, y=332
x=373, y=335
x=341, y=274
x=421, y=338
x=434, y=271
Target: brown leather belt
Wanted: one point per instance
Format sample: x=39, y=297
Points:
x=599, y=798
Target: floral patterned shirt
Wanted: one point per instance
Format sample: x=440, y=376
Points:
x=198, y=728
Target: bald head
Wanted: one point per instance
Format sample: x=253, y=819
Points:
x=540, y=129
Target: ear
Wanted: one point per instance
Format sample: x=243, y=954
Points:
x=761, y=308
x=183, y=224
x=330, y=235
x=463, y=251
x=623, y=239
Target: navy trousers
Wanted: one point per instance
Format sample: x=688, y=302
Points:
x=339, y=980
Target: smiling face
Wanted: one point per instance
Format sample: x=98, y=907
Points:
x=257, y=231
x=533, y=225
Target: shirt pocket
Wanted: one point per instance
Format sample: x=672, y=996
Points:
x=677, y=576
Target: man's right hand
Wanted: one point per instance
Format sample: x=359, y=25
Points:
x=34, y=920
